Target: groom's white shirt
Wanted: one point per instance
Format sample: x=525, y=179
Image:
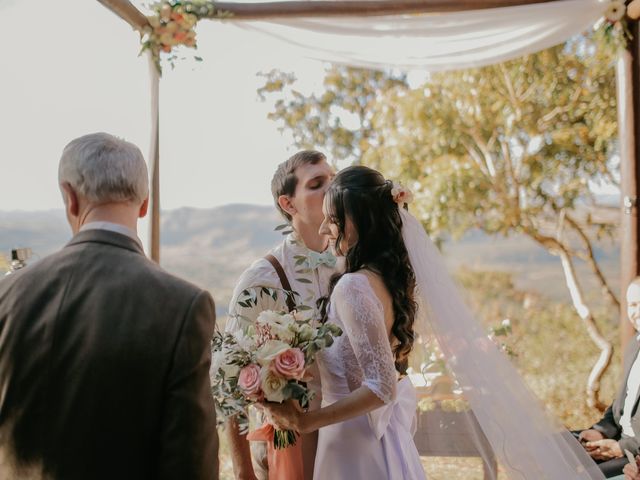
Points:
x=262, y=274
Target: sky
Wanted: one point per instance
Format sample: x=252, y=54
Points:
x=71, y=68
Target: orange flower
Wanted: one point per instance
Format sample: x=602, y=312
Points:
x=180, y=36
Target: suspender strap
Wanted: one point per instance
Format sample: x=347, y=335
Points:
x=291, y=305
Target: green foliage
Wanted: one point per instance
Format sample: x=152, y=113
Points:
x=349, y=97
x=502, y=148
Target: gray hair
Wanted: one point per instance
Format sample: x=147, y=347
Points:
x=103, y=169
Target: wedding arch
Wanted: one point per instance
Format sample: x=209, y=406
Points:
x=433, y=35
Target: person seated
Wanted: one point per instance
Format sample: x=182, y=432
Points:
x=619, y=428
x=632, y=470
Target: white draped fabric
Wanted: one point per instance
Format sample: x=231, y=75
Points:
x=434, y=42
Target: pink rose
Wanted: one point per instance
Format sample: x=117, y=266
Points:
x=249, y=381
x=289, y=364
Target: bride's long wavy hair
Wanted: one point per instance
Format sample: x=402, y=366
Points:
x=364, y=196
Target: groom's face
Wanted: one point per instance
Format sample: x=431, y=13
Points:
x=313, y=182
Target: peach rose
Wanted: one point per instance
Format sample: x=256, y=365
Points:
x=289, y=364
x=249, y=381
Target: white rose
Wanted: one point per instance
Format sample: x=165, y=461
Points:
x=165, y=11
x=245, y=342
x=230, y=370
x=271, y=348
x=306, y=332
x=268, y=317
x=283, y=333
x=154, y=21
x=216, y=361
x=286, y=320
x=272, y=385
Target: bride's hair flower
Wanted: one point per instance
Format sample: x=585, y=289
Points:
x=401, y=194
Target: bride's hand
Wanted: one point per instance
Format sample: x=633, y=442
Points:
x=285, y=416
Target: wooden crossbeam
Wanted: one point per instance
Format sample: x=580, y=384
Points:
x=127, y=11
x=359, y=8
x=259, y=11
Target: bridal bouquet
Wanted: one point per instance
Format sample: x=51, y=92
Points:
x=267, y=361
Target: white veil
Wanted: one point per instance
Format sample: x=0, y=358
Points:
x=525, y=440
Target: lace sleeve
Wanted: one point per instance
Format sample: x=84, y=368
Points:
x=362, y=315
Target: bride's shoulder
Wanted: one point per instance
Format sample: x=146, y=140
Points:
x=355, y=282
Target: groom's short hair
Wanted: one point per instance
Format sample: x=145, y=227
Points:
x=285, y=181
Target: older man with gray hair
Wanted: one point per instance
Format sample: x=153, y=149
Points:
x=104, y=357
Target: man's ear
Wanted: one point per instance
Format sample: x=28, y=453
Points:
x=285, y=203
x=71, y=202
x=144, y=208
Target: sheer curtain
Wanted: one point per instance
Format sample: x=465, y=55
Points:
x=433, y=42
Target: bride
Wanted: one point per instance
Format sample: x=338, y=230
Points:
x=395, y=285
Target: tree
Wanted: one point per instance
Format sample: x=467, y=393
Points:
x=508, y=149
x=349, y=97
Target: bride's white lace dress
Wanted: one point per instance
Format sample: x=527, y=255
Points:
x=378, y=445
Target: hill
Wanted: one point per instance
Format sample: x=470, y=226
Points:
x=211, y=247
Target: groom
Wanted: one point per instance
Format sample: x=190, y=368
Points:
x=298, y=187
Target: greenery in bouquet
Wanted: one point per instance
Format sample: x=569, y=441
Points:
x=267, y=361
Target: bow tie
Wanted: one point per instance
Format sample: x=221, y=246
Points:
x=325, y=258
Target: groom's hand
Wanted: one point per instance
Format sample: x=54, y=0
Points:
x=606, y=449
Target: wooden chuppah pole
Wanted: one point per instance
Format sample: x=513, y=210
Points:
x=154, y=162
x=135, y=18
x=127, y=11
x=628, y=87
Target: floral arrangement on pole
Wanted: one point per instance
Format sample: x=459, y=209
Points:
x=612, y=29
x=267, y=361
x=172, y=25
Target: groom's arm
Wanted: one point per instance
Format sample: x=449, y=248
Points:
x=240, y=452
x=260, y=274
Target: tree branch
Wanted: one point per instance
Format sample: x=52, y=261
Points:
x=583, y=311
x=591, y=260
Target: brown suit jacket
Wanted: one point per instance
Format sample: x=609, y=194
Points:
x=104, y=368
